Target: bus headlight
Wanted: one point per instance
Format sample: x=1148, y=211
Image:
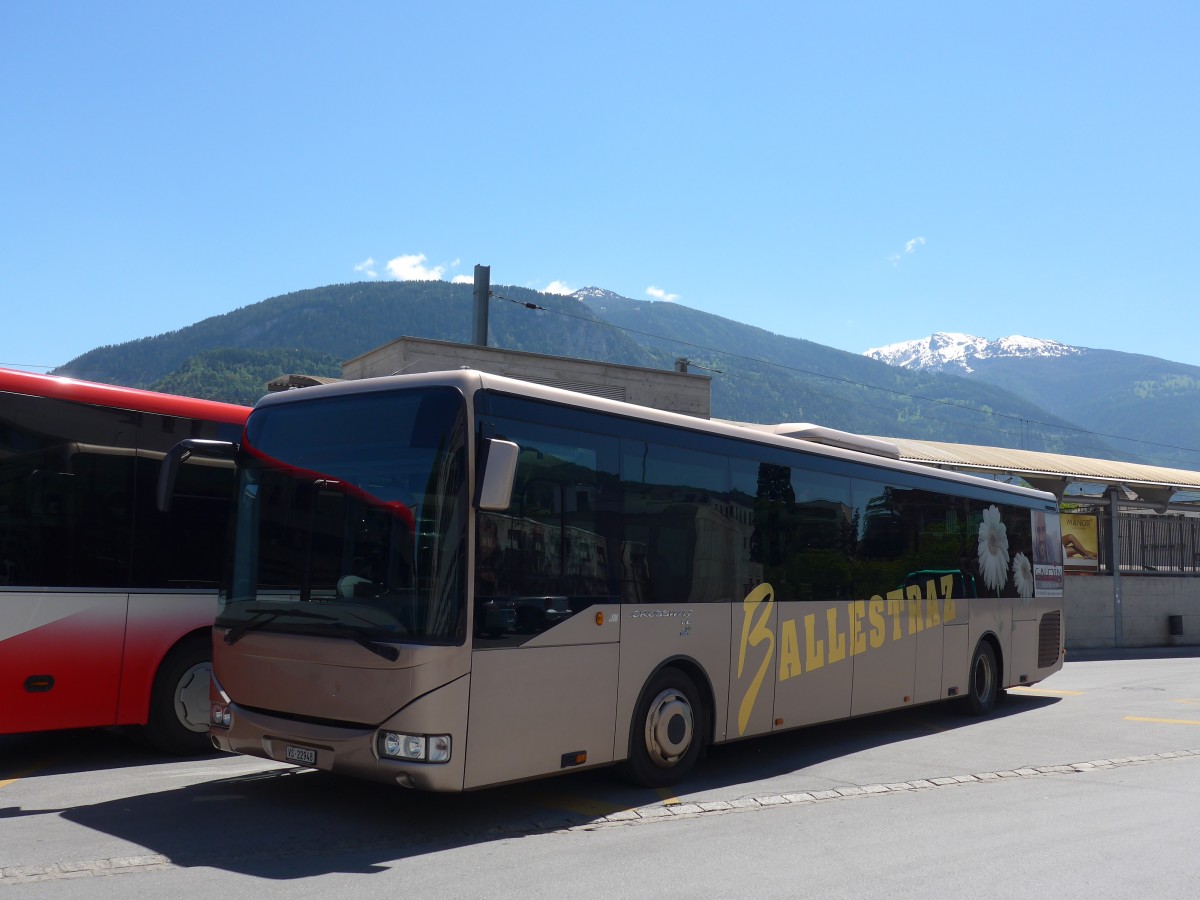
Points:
x=415, y=747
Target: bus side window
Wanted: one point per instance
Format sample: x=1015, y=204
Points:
x=551, y=553
x=185, y=547
x=680, y=520
x=65, y=502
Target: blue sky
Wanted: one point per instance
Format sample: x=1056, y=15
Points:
x=855, y=174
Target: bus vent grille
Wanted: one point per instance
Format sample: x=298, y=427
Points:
x=1049, y=639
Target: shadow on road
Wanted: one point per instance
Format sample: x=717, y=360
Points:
x=290, y=823
x=1108, y=655
x=81, y=750
x=790, y=751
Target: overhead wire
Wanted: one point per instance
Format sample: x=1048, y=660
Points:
x=966, y=407
x=1023, y=421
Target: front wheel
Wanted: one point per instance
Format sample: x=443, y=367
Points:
x=983, y=681
x=667, y=730
x=178, y=722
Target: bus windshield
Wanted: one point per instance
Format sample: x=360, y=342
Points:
x=351, y=520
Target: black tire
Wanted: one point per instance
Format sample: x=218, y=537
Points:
x=983, y=681
x=178, y=721
x=667, y=732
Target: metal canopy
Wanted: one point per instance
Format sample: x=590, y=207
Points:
x=1053, y=472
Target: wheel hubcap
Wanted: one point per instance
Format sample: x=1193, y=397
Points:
x=191, y=697
x=983, y=678
x=669, y=728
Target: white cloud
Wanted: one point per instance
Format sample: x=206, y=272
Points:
x=910, y=247
x=412, y=268
x=463, y=279
x=557, y=287
x=367, y=267
x=660, y=294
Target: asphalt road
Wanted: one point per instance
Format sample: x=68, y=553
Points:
x=1086, y=786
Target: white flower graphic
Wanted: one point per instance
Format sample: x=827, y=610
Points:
x=1023, y=576
x=993, y=549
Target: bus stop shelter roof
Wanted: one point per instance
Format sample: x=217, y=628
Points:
x=1053, y=471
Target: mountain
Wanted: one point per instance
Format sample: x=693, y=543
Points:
x=757, y=376
x=238, y=375
x=760, y=376
x=949, y=351
x=348, y=319
x=1104, y=391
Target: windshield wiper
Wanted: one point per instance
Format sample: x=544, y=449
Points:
x=387, y=651
x=264, y=616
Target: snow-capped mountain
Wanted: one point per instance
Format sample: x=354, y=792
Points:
x=1153, y=401
x=949, y=351
x=594, y=293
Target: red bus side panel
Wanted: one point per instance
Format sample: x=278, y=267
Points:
x=156, y=623
x=60, y=660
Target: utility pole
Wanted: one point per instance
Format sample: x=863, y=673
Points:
x=1114, y=562
x=479, y=321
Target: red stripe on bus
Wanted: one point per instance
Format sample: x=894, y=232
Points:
x=117, y=397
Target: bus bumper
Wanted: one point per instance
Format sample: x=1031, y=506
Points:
x=351, y=749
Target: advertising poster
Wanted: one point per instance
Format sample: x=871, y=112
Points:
x=1081, y=541
x=1047, y=555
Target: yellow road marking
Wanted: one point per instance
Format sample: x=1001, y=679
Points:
x=1196, y=702
x=597, y=808
x=582, y=805
x=1046, y=691
x=24, y=773
x=1162, y=721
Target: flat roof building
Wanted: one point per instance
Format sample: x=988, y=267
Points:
x=674, y=391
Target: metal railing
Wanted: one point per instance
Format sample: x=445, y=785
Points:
x=1164, y=545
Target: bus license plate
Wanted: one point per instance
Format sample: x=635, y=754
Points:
x=301, y=756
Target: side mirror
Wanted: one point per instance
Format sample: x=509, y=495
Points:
x=178, y=455
x=499, y=472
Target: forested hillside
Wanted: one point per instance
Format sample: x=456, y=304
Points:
x=1152, y=399
x=757, y=376
x=1144, y=405
x=238, y=376
x=349, y=319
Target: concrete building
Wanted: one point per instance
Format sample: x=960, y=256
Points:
x=681, y=392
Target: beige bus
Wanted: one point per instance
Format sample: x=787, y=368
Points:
x=452, y=580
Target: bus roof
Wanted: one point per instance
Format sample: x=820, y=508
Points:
x=812, y=439
x=116, y=397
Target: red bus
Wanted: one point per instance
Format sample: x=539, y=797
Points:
x=106, y=604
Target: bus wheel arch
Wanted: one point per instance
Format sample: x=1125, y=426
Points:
x=706, y=698
x=983, y=678
x=671, y=722
x=177, y=722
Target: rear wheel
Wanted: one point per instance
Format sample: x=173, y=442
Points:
x=983, y=685
x=667, y=730
x=178, y=722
